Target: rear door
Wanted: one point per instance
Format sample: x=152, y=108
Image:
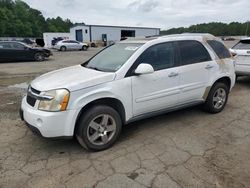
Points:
x=195, y=64
x=76, y=45
x=68, y=45
x=21, y=52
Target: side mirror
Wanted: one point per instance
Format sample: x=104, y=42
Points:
x=144, y=68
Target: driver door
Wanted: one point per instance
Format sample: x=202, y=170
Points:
x=160, y=89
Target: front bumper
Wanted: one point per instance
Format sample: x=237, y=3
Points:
x=48, y=124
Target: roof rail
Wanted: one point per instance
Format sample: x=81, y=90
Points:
x=187, y=34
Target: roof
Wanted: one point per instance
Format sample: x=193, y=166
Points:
x=136, y=27
x=184, y=36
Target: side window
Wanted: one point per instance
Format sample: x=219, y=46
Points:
x=72, y=42
x=219, y=48
x=192, y=52
x=160, y=56
x=18, y=46
x=6, y=45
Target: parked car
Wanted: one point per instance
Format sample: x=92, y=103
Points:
x=65, y=45
x=128, y=81
x=18, y=51
x=242, y=55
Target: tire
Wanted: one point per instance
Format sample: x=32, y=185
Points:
x=93, y=45
x=217, y=98
x=63, y=48
x=84, y=48
x=98, y=128
x=39, y=56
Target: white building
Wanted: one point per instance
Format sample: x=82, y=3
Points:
x=100, y=33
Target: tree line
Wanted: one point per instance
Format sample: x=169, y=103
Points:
x=18, y=19
x=215, y=28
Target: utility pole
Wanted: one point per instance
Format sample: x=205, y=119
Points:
x=247, y=28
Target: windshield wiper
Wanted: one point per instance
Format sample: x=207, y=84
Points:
x=94, y=68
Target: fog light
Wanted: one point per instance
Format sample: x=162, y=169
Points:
x=39, y=122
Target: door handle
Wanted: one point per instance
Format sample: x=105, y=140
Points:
x=173, y=74
x=209, y=66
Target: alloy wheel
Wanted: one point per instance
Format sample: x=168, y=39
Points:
x=219, y=98
x=101, y=129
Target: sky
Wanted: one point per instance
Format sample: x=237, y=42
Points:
x=164, y=14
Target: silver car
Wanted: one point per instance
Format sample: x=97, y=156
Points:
x=65, y=45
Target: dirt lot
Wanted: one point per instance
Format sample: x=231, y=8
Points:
x=187, y=148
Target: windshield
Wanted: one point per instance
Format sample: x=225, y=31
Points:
x=242, y=45
x=113, y=57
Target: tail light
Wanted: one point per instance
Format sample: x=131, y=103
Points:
x=234, y=54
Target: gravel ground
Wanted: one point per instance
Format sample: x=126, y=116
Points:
x=187, y=148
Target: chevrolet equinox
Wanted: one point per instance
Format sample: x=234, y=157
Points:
x=128, y=81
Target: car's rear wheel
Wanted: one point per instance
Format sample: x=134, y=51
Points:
x=84, y=48
x=63, y=48
x=39, y=56
x=98, y=128
x=217, y=98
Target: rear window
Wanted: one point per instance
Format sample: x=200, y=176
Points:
x=219, y=48
x=242, y=45
x=192, y=52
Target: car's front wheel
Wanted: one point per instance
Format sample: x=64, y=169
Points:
x=39, y=56
x=98, y=128
x=217, y=98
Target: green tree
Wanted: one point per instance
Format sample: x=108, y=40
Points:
x=17, y=19
x=215, y=28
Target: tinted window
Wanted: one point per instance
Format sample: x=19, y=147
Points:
x=18, y=46
x=192, y=52
x=219, y=48
x=242, y=45
x=160, y=56
x=72, y=41
x=5, y=45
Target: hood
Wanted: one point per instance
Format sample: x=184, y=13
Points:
x=72, y=78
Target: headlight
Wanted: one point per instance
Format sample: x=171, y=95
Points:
x=58, y=102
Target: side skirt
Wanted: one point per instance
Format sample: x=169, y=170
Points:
x=163, y=111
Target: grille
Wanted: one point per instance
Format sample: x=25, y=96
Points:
x=31, y=100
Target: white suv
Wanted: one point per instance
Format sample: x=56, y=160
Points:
x=242, y=55
x=128, y=81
